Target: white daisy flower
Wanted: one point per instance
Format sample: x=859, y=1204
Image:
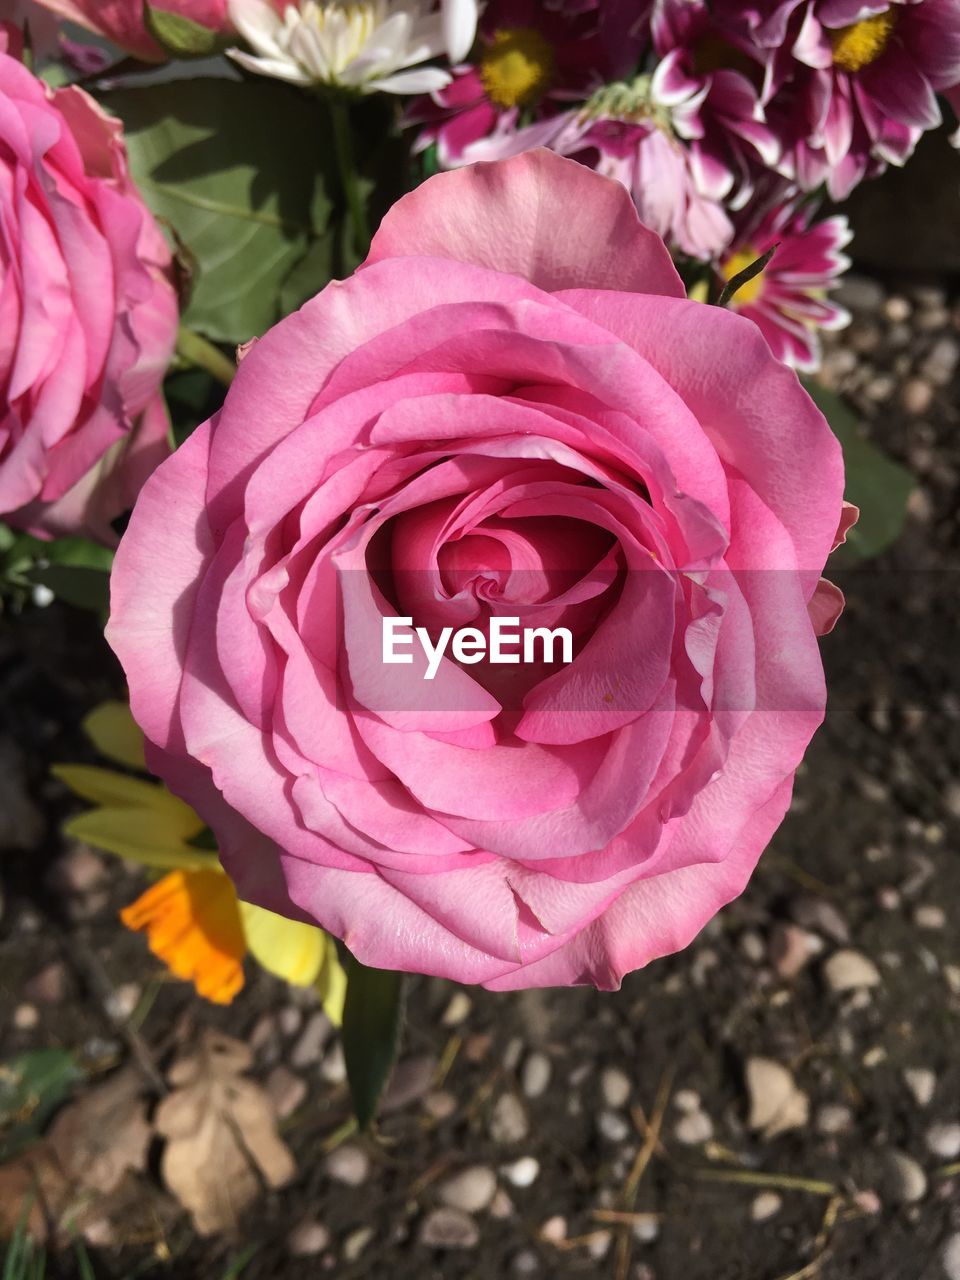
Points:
x=369, y=47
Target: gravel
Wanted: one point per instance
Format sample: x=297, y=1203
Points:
x=508, y=1120
x=471, y=1190
x=943, y=1140
x=449, y=1229
x=535, y=1079
x=615, y=1088
x=850, y=971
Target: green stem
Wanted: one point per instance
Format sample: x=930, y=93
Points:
x=343, y=145
x=198, y=351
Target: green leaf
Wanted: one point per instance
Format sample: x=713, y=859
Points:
x=879, y=486
x=241, y=173
x=31, y=1086
x=372, y=1017
x=82, y=587
x=180, y=37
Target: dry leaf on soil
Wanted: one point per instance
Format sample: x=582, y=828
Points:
x=221, y=1132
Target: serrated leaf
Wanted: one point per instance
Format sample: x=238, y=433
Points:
x=880, y=487
x=372, y=1016
x=179, y=36
x=241, y=173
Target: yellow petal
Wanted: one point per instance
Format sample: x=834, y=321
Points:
x=332, y=983
x=287, y=948
x=139, y=835
x=115, y=734
x=118, y=791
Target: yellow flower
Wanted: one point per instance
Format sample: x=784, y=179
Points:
x=192, y=917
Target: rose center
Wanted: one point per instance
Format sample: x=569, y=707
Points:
x=750, y=291
x=861, y=43
x=517, y=67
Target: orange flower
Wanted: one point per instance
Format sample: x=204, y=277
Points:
x=192, y=922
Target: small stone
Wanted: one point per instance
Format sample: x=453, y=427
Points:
x=904, y=1181
x=439, y=1104
x=598, y=1244
x=850, y=971
x=501, y=1206
x=646, y=1227
x=49, y=986
x=765, y=1205
x=525, y=1263
x=307, y=1239
x=449, y=1229
x=263, y=1037
x=348, y=1165
x=875, y=1056
x=285, y=1090
x=615, y=1088
x=916, y=396
x=950, y=1257
x=80, y=870
x=554, y=1230
x=859, y=293
x=471, y=1190
x=694, y=1128
x=513, y=1053
x=613, y=1126
x=791, y=948
x=823, y=917
x=333, y=1068
x=929, y=917
x=536, y=1075
x=751, y=944
x=289, y=1020
x=308, y=1049
x=921, y=1082
x=508, y=1120
x=122, y=1000
x=458, y=1010
x=477, y=1047
x=897, y=309
x=833, y=1118
x=410, y=1082
x=776, y=1104
x=523, y=1172
x=25, y=1017
x=943, y=1140
x=356, y=1242
x=686, y=1100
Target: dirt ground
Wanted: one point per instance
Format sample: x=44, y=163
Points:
x=604, y=1135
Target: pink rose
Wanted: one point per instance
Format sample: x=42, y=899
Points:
x=511, y=408
x=122, y=20
x=88, y=315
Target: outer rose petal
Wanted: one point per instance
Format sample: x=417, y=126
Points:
x=538, y=216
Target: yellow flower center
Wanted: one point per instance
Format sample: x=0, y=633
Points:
x=516, y=68
x=856, y=46
x=750, y=291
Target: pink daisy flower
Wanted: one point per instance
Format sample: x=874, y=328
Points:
x=789, y=300
x=710, y=76
x=854, y=83
x=533, y=57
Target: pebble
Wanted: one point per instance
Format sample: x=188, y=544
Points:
x=751, y=944
x=308, y=1049
x=598, y=1244
x=449, y=1229
x=410, y=1082
x=535, y=1079
x=833, y=1118
x=470, y=1190
x=646, y=1227
x=897, y=309
x=822, y=917
x=859, y=293
x=791, y=948
x=776, y=1104
x=850, y=971
x=308, y=1239
x=904, y=1181
x=25, y=1017
x=458, y=1010
x=929, y=917
x=921, y=1082
x=348, y=1165
x=523, y=1172
x=613, y=1126
x=49, y=986
x=333, y=1068
x=950, y=1257
x=693, y=1128
x=440, y=1104
x=765, y=1205
x=508, y=1120
x=686, y=1100
x=943, y=1140
x=916, y=396
x=525, y=1263
x=121, y=1002
x=615, y=1088
x=356, y=1242
x=501, y=1206
x=554, y=1230
x=285, y=1090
